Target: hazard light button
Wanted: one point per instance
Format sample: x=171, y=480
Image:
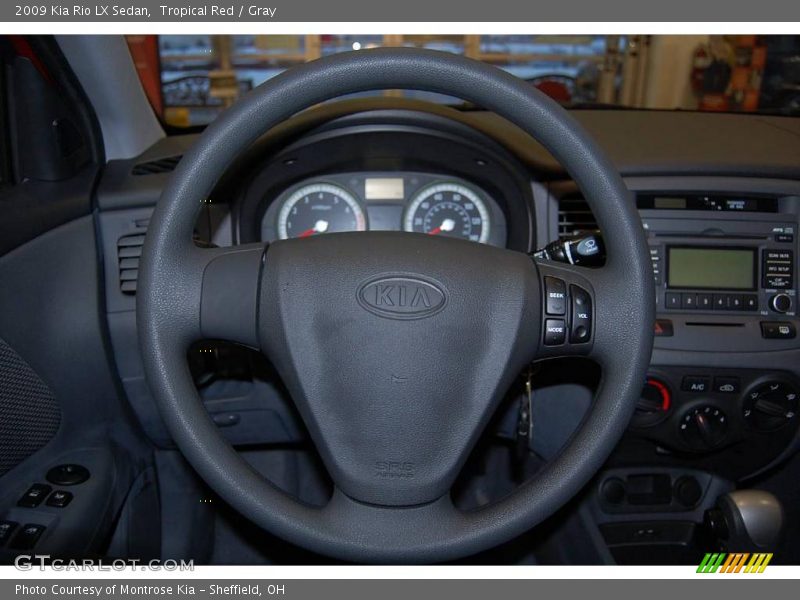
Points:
x=663, y=328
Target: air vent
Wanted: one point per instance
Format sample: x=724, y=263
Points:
x=154, y=167
x=574, y=216
x=129, y=250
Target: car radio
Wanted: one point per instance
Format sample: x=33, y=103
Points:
x=727, y=262
x=755, y=278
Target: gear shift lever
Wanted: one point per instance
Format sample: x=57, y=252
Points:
x=747, y=521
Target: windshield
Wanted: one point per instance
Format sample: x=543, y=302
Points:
x=189, y=79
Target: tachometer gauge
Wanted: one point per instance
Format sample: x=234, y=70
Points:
x=319, y=208
x=448, y=209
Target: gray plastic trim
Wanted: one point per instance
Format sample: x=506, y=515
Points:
x=105, y=69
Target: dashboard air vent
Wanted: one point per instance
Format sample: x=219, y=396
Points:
x=154, y=167
x=129, y=250
x=574, y=216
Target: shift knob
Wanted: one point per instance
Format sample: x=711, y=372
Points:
x=747, y=521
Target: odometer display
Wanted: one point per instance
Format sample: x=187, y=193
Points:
x=448, y=209
x=319, y=208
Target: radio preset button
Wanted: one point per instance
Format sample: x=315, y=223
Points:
x=705, y=301
x=672, y=300
x=751, y=302
x=688, y=301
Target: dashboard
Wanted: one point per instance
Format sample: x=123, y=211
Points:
x=719, y=197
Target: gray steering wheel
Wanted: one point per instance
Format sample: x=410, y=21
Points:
x=396, y=348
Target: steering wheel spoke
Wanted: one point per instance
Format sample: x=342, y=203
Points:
x=585, y=311
x=231, y=279
x=569, y=309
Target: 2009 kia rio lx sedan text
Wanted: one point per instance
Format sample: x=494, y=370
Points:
x=267, y=304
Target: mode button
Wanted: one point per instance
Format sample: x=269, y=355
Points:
x=555, y=332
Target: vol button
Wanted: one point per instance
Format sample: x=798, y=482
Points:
x=581, y=330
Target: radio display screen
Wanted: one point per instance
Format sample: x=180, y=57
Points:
x=711, y=268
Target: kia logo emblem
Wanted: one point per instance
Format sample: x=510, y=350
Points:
x=402, y=296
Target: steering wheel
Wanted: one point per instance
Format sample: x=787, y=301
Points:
x=395, y=347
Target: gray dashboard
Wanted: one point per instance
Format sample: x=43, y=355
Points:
x=524, y=185
x=640, y=143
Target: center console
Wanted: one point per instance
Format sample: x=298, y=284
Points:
x=720, y=401
x=725, y=276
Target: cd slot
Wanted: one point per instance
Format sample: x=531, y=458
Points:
x=713, y=236
x=707, y=324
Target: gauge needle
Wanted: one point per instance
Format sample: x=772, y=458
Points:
x=447, y=225
x=319, y=227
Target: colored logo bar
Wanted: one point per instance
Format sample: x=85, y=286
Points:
x=735, y=562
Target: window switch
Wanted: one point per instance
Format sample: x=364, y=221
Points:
x=34, y=496
x=59, y=499
x=6, y=529
x=28, y=536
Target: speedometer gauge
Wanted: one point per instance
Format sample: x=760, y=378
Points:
x=448, y=209
x=319, y=208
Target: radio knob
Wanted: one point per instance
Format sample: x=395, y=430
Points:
x=781, y=303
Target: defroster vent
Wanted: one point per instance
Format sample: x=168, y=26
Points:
x=154, y=167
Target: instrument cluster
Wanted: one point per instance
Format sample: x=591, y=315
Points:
x=385, y=201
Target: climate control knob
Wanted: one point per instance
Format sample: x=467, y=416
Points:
x=770, y=405
x=781, y=303
x=654, y=403
x=704, y=427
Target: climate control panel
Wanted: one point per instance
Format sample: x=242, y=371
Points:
x=702, y=411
